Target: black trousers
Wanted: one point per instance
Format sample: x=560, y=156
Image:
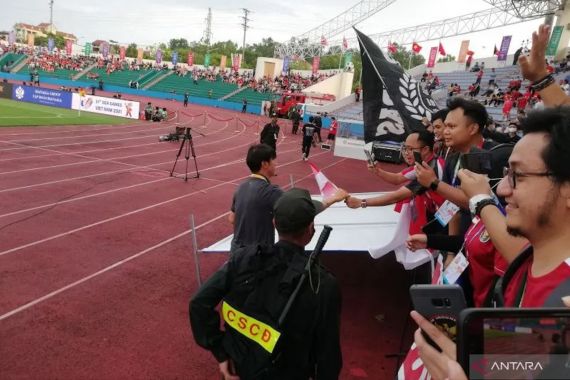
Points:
x=307, y=143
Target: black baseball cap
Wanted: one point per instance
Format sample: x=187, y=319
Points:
x=295, y=210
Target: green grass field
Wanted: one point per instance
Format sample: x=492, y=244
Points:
x=14, y=113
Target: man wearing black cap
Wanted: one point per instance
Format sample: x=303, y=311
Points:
x=270, y=133
x=255, y=286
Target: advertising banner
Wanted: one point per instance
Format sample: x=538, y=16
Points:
x=44, y=96
x=11, y=38
x=463, y=51
x=207, y=60
x=223, y=62
x=554, y=41
x=6, y=90
x=190, y=59
x=31, y=40
x=139, y=55
x=504, y=51
x=316, y=63
x=158, y=57
x=106, y=106
x=122, y=53
x=68, y=47
x=88, y=48
x=347, y=59
x=105, y=49
x=286, y=62
x=432, y=55
x=174, y=58
x=51, y=44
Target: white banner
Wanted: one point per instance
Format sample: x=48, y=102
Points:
x=106, y=106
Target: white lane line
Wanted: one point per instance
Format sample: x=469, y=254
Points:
x=239, y=160
x=110, y=160
x=104, y=270
x=37, y=242
x=124, y=261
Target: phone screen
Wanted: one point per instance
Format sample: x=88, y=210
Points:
x=477, y=162
x=418, y=157
x=369, y=157
x=519, y=347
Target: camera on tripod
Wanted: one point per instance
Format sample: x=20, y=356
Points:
x=184, y=133
x=180, y=132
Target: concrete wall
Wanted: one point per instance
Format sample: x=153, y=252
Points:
x=339, y=85
x=260, y=67
x=332, y=106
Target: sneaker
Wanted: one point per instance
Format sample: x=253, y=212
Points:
x=304, y=157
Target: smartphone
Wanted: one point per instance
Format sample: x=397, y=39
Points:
x=369, y=157
x=477, y=162
x=441, y=305
x=418, y=157
x=509, y=343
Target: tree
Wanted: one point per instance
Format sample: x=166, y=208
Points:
x=406, y=58
x=447, y=58
x=180, y=43
x=132, y=51
x=43, y=41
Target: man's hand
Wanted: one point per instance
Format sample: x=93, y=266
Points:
x=437, y=363
x=425, y=174
x=340, y=195
x=225, y=371
x=533, y=67
x=353, y=202
x=474, y=184
x=415, y=242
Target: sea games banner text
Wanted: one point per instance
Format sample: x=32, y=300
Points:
x=106, y=106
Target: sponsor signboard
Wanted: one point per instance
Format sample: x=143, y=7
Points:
x=106, y=106
x=44, y=96
x=6, y=90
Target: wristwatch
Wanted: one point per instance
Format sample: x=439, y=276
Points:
x=363, y=203
x=477, y=202
x=434, y=184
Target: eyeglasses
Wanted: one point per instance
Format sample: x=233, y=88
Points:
x=407, y=149
x=513, y=175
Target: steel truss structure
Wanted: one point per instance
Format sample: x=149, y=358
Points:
x=309, y=44
x=505, y=12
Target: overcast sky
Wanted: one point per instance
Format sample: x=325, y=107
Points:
x=153, y=21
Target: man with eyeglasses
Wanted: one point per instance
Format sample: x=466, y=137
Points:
x=424, y=202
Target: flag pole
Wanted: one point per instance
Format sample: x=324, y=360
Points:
x=371, y=61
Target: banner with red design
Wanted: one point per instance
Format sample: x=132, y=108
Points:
x=190, y=59
x=122, y=53
x=316, y=64
x=139, y=55
x=68, y=47
x=432, y=56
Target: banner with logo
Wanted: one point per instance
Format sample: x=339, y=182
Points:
x=316, y=63
x=207, y=60
x=347, y=59
x=68, y=47
x=11, y=38
x=504, y=51
x=463, y=51
x=236, y=62
x=158, y=56
x=286, y=64
x=106, y=106
x=44, y=96
x=223, y=62
x=432, y=56
x=51, y=44
x=140, y=55
x=174, y=58
x=6, y=90
x=190, y=59
x=122, y=53
x=105, y=49
x=88, y=48
x=554, y=41
x=31, y=40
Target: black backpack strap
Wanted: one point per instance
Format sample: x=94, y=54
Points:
x=503, y=283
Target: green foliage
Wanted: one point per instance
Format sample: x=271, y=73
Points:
x=132, y=51
x=43, y=41
x=180, y=43
x=447, y=58
x=403, y=55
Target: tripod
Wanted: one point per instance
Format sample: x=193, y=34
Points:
x=186, y=142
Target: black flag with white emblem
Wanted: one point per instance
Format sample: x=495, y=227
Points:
x=394, y=102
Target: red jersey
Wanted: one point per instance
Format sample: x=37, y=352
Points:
x=333, y=127
x=535, y=290
x=485, y=262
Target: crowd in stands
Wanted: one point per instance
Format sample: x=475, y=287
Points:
x=51, y=62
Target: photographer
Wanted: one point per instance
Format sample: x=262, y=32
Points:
x=308, y=346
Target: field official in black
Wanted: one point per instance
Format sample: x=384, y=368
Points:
x=270, y=133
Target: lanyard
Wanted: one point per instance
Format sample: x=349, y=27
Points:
x=259, y=176
x=455, y=171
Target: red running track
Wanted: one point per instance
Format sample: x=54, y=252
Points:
x=96, y=265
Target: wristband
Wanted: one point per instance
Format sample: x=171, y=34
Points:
x=483, y=204
x=435, y=183
x=543, y=83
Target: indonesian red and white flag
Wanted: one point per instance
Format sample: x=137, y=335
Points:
x=326, y=187
x=324, y=41
x=344, y=43
x=441, y=50
x=392, y=48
